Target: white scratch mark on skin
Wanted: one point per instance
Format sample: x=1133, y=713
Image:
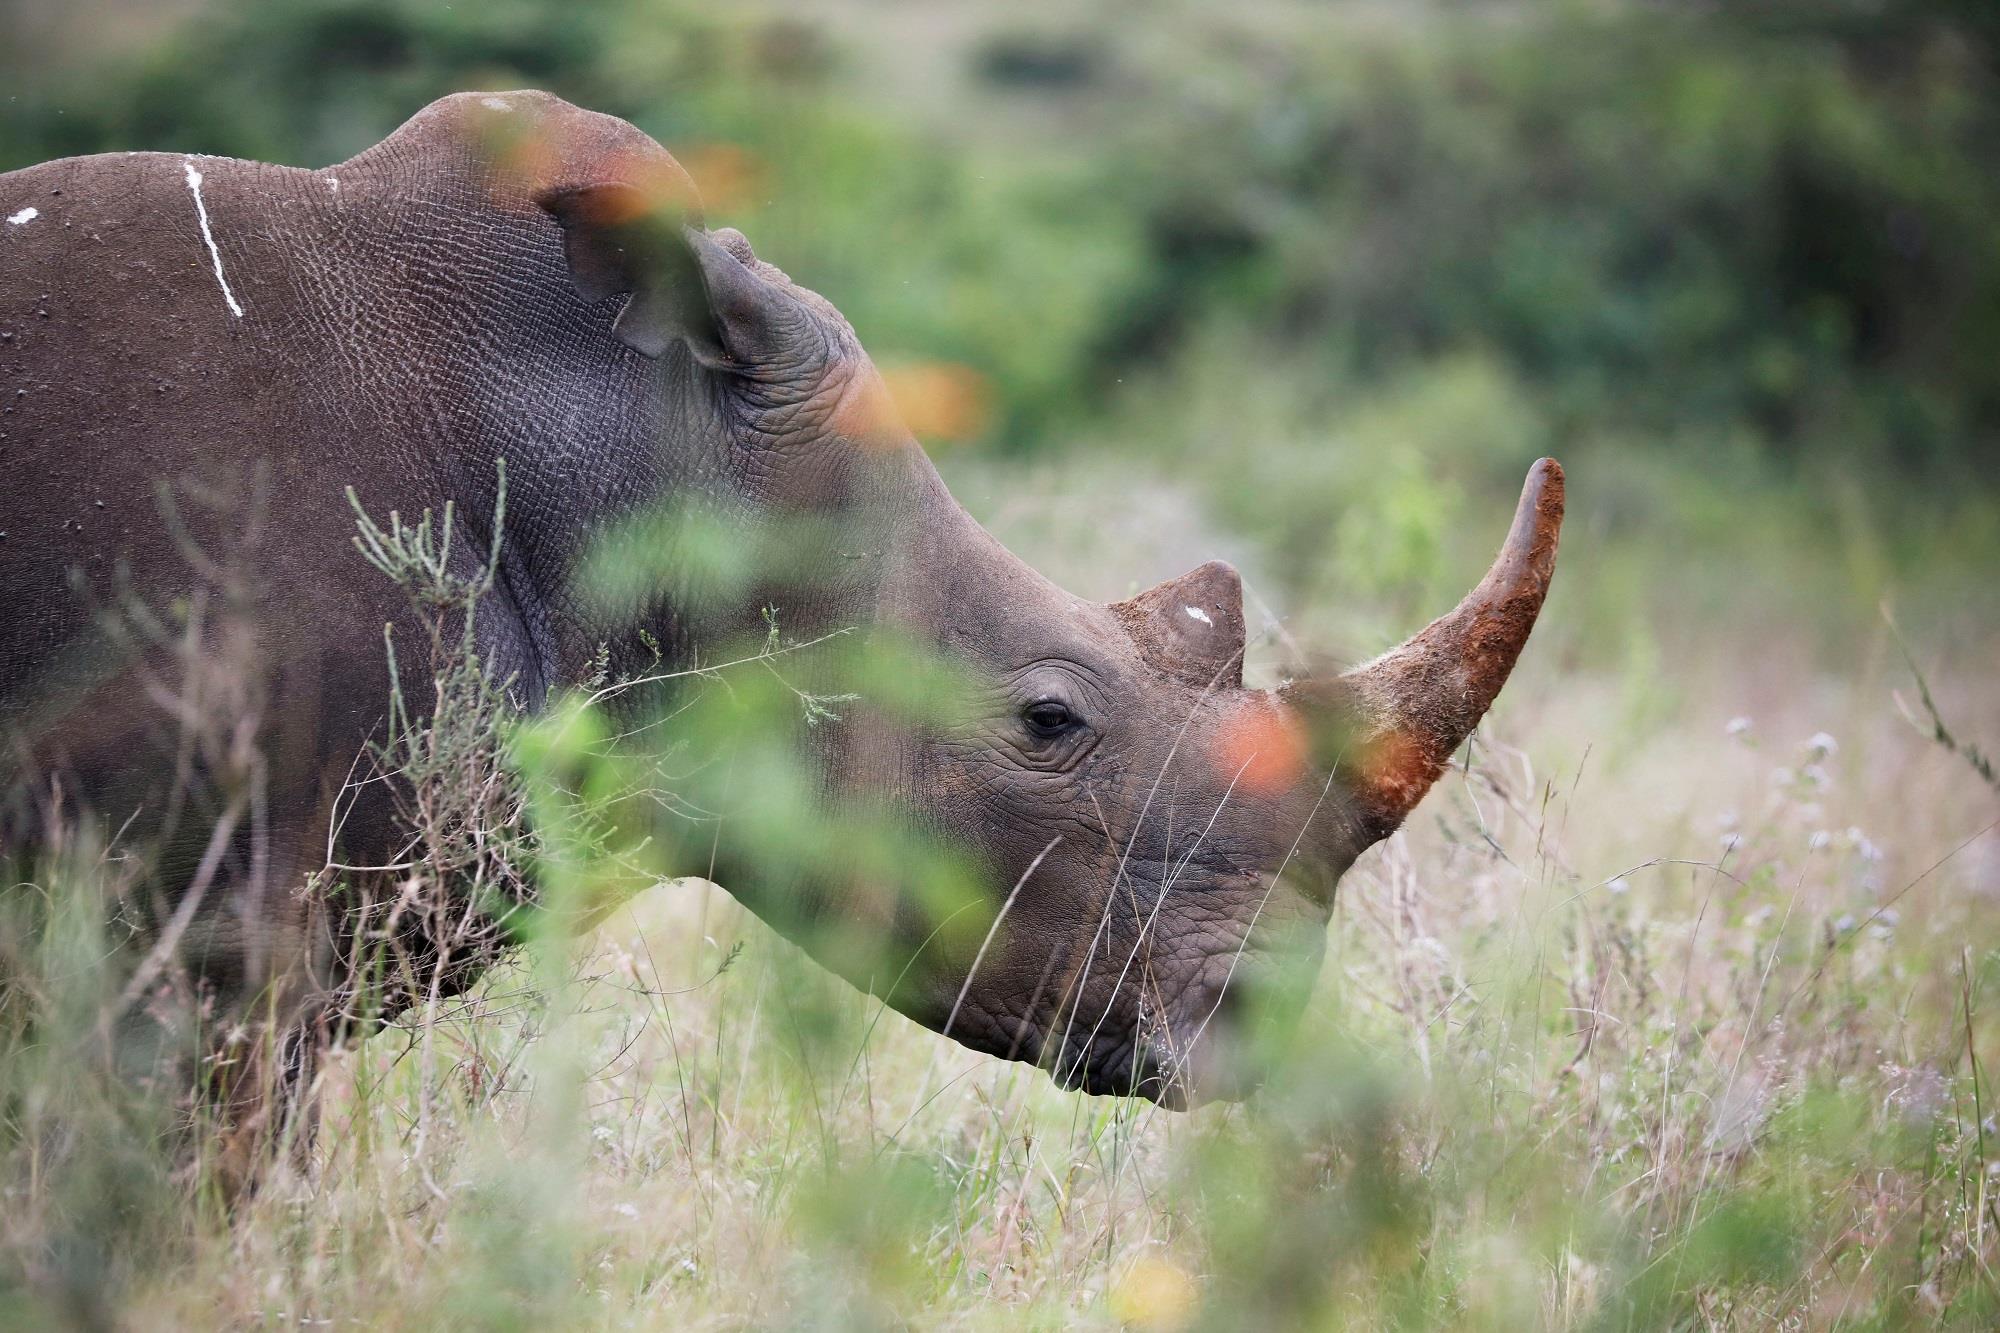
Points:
x=208, y=237
x=496, y=103
x=24, y=217
x=1196, y=613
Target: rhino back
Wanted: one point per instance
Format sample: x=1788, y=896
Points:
x=199, y=355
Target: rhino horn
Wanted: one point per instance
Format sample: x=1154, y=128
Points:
x=1191, y=627
x=1389, y=727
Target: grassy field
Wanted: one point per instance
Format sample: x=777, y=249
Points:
x=1671, y=1007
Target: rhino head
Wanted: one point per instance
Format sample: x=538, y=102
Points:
x=1151, y=839
x=1163, y=842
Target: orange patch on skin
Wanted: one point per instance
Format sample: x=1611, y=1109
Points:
x=1396, y=771
x=867, y=414
x=658, y=185
x=523, y=163
x=528, y=161
x=1262, y=747
x=940, y=400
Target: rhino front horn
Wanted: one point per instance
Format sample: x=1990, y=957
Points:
x=1389, y=727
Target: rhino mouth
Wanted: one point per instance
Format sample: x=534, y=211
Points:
x=1138, y=1017
x=1127, y=1068
x=1176, y=1064
x=1099, y=1054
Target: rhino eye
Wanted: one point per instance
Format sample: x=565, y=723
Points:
x=1048, y=718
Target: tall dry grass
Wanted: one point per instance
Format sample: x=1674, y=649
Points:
x=1679, y=1016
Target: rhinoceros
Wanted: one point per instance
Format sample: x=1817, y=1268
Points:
x=199, y=357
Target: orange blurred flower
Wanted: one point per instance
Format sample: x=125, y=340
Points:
x=729, y=176
x=527, y=159
x=1155, y=1293
x=1263, y=743
x=940, y=400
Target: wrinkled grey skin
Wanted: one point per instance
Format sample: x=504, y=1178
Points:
x=475, y=288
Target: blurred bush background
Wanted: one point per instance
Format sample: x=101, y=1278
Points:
x=1309, y=284
x=1344, y=267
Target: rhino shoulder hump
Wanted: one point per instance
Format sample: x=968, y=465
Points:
x=527, y=139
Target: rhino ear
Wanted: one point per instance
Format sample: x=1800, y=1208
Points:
x=619, y=241
x=680, y=282
x=1191, y=628
x=752, y=320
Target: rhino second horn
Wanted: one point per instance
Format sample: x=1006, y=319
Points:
x=1406, y=712
x=1191, y=627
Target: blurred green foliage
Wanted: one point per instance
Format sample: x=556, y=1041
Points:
x=1779, y=221
x=1657, y=216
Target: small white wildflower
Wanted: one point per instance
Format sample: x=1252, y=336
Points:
x=1738, y=726
x=1618, y=885
x=1761, y=915
x=1920, y=1097
x=602, y=1133
x=1817, y=775
x=1844, y=922
x=688, y=1267
x=1783, y=777
x=1821, y=745
x=626, y=1210
x=1731, y=841
x=1818, y=840
x=1431, y=947
x=1890, y=917
x=1728, y=819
